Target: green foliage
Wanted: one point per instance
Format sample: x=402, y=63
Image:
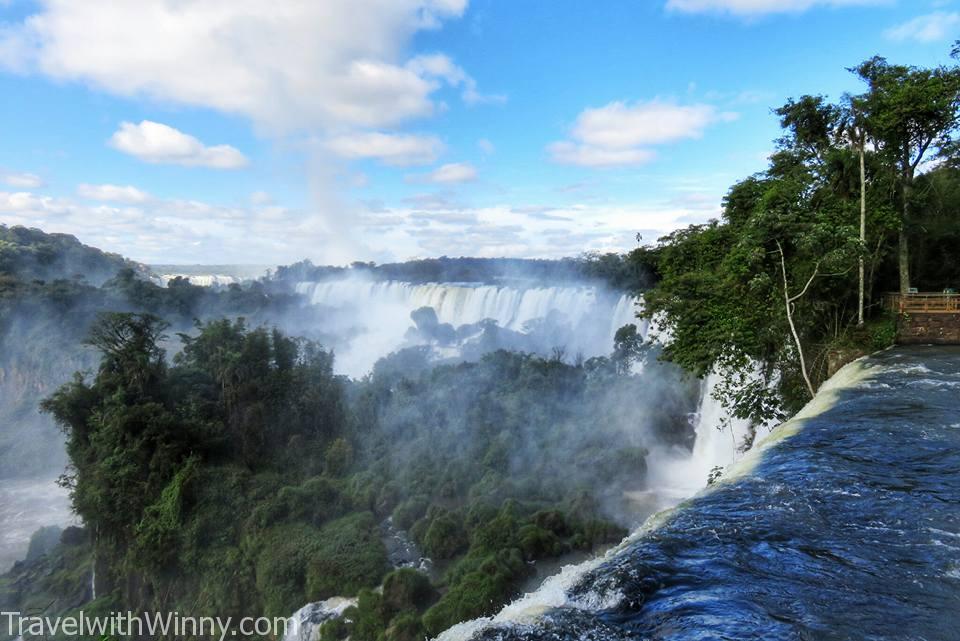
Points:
x=299, y=563
x=445, y=537
x=882, y=332
x=351, y=557
x=793, y=232
x=405, y=589
x=245, y=476
x=480, y=591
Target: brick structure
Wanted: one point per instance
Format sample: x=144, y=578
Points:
x=917, y=328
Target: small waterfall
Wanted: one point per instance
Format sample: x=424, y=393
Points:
x=674, y=475
x=305, y=623
x=721, y=438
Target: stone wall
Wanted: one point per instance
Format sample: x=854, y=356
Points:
x=920, y=329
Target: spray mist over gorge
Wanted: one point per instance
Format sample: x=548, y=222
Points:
x=417, y=412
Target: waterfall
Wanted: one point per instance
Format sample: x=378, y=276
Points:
x=305, y=623
x=201, y=280
x=675, y=475
x=381, y=313
x=721, y=438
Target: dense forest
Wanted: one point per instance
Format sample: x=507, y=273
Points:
x=611, y=269
x=246, y=477
x=51, y=289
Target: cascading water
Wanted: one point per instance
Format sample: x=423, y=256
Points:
x=381, y=318
x=842, y=524
x=676, y=475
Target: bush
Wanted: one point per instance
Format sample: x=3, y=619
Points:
x=408, y=512
x=406, y=589
x=349, y=556
x=480, y=592
x=405, y=627
x=445, y=537
x=883, y=333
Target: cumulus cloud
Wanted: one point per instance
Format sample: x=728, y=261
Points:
x=292, y=66
x=933, y=27
x=391, y=149
x=113, y=193
x=621, y=133
x=568, y=153
x=458, y=172
x=440, y=66
x=20, y=180
x=180, y=230
x=155, y=142
x=760, y=7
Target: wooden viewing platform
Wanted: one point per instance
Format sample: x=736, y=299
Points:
x=923, y=303
x=926, y=318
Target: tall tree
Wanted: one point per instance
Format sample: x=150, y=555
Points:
x=912, y=111
x=854, y=131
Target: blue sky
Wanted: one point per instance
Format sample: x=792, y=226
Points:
x=238, y=131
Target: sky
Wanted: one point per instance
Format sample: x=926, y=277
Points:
x=250, y=132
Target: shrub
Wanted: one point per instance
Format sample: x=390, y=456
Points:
x=405, y=627
x=406, y=589
x=349, y=556
x=445, y=537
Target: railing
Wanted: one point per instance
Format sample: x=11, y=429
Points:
x=923, y=303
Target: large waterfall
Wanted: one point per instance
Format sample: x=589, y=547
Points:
x=583, y=319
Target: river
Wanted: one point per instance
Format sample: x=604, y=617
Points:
x=843, y=524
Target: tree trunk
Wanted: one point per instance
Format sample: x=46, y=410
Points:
x=904, y=250
x=863, y=228
x=788, y=303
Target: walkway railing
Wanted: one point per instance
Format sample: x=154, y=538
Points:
x=923, y=303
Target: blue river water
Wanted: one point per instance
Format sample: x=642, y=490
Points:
x=847, y=527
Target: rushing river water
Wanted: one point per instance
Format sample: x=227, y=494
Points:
x=845, y=524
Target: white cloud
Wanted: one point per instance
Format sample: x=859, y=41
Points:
x=620, y=125
x=113, y=193
x=286, y=66
x=621, y=133
x=486, y=146
x=568, y=153
x=188, y=231
x=934, y=27
x=177, y=230
x=438, y=65
x=20, y=180
x=261, y=198
x=391, y=149
x=761, y=7
x=458, y=172
x=155, y=142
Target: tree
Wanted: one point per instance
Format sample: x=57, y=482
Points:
x=911, y=112
x=854, y=129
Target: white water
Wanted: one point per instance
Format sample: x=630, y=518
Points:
x=305, y=623
x=673, y=475
x=202, y=280
x=382, y=313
